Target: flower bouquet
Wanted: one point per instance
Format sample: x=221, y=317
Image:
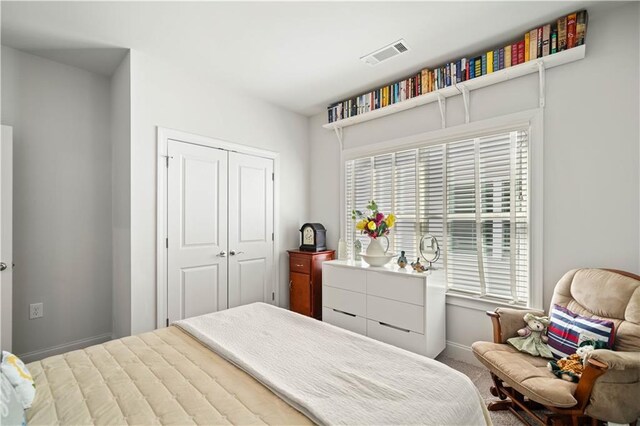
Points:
x=374, y=224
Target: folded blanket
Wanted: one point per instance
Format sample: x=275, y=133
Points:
x=334, y=376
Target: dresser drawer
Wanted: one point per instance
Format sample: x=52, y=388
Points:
x=398, y=314
x=409, y=289
x=344, y=300
x=345, y=278
x=300, y=264
x=404, y=339
x=343, y=320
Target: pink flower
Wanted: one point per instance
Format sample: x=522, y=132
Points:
x=379, y=218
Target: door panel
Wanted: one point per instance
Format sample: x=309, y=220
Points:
x=6, y=236
x=300, y=293
x=250, y=229
x=197, y=230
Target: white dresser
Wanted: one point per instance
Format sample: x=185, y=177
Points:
x=390, y=304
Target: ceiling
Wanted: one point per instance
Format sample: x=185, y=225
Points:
x=299, y=55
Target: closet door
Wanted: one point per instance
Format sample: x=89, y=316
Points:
x=250, y=229
x=197, y=230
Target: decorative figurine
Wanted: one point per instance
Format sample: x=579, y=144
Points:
x=402, y=260
x=357, y=249
x=418, y=267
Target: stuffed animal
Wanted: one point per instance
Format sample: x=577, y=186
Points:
x=570, y=368
x=533, y=338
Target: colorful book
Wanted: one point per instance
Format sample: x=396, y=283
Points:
x=501, y=58
x=581, y=27
x=483, y=66
x=533, y=44
x=522, y=52
x=539, y=42
x=554, y=41
x=472, y=68
x=571, y=31
x=489, y=62
x=562, y=34
x=527, y=46
x=507, y=56
x=546, y=40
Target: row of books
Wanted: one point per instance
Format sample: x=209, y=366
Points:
x=567, y=32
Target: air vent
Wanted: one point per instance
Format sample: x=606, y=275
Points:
x=387, y=52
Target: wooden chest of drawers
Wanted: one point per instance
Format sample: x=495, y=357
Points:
x=305, y=281
x=393, y=305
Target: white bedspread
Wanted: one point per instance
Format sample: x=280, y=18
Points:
x=334, y=376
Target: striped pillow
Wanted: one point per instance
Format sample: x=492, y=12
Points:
x=567, y=330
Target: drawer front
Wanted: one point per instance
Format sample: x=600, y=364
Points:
x=396, y=287
x=344, y=278
x=347, y=321
x=408, y=340
x=398, y=314
x=301, y=264
x=344, y=300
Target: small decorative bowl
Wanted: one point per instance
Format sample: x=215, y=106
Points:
x=380, y=260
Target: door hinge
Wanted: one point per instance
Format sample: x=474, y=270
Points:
x=166, y=240
x=273, y=295
x=167, y=322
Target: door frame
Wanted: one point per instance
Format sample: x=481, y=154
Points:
x=163, y=136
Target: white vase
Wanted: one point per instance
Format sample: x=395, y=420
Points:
x=375, y=248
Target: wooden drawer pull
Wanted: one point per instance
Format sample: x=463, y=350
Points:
x=394, y=327
x=343, y=312
x=298, y=265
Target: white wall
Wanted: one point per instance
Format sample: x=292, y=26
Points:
x=591, y=157
x=62, y=199
x=165, y=95
x=121, y=196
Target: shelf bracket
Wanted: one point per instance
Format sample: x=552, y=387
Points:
x=338, y=131
x=465, y=98
x=442, y=103
x=541, y=83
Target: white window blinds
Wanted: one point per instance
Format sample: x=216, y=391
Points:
x=472, y=195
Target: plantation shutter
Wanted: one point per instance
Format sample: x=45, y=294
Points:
x=405, y=231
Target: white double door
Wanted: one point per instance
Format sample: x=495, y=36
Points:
x=220, y=225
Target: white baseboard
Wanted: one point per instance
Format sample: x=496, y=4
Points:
x=460, y=352
x=65, y=347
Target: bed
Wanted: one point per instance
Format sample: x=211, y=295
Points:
x=254, y=364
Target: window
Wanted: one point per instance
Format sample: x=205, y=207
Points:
x=472, y=195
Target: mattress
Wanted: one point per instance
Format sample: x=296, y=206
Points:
x=160, y=377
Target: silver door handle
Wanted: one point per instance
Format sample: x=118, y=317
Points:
x=222, y=254
x=3, y=266
x=233, y=252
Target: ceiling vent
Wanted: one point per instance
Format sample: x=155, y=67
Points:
x=387, y=52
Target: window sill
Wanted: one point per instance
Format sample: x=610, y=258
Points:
x=471, y=302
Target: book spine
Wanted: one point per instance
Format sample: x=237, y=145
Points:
x=472, y=68
x=423, y=80
x=507, y=56
x=581, y=27
x=489, y=62
x=562, y=34
x=478, y=66
x=419, y=84
x=539, y=33
x=522, y=51
x=460, y=71
x=483, y=69
x=571, y=31
x=501, y=58
x=527, y=45
x=533, y=44
x=496, y=60
x=546, y=40
x=554, y=42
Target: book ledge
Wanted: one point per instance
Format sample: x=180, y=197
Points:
x=530, y=67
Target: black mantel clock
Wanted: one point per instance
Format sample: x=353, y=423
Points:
x=313, y=237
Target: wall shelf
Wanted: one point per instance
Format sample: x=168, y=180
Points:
x=505, y=74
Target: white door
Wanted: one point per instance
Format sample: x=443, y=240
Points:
x=250, y=229
x=197, y=230
x=6, y=236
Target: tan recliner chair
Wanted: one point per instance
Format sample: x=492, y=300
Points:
x=609, y=389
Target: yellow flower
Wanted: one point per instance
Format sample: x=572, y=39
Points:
x=390, y=220
x=361, y=225
x=372, y=226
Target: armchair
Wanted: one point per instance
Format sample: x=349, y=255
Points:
x=609, y=389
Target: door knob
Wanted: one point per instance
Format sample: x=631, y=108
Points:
x=3, y=266
x=222, y=254
x=233, y=252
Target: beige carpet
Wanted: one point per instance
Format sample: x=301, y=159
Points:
x=482, y=380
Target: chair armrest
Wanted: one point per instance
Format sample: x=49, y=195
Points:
x=616, y=360
x=507, y=322
x=592, y=370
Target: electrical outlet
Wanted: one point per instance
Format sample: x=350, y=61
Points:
x=36, y=310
